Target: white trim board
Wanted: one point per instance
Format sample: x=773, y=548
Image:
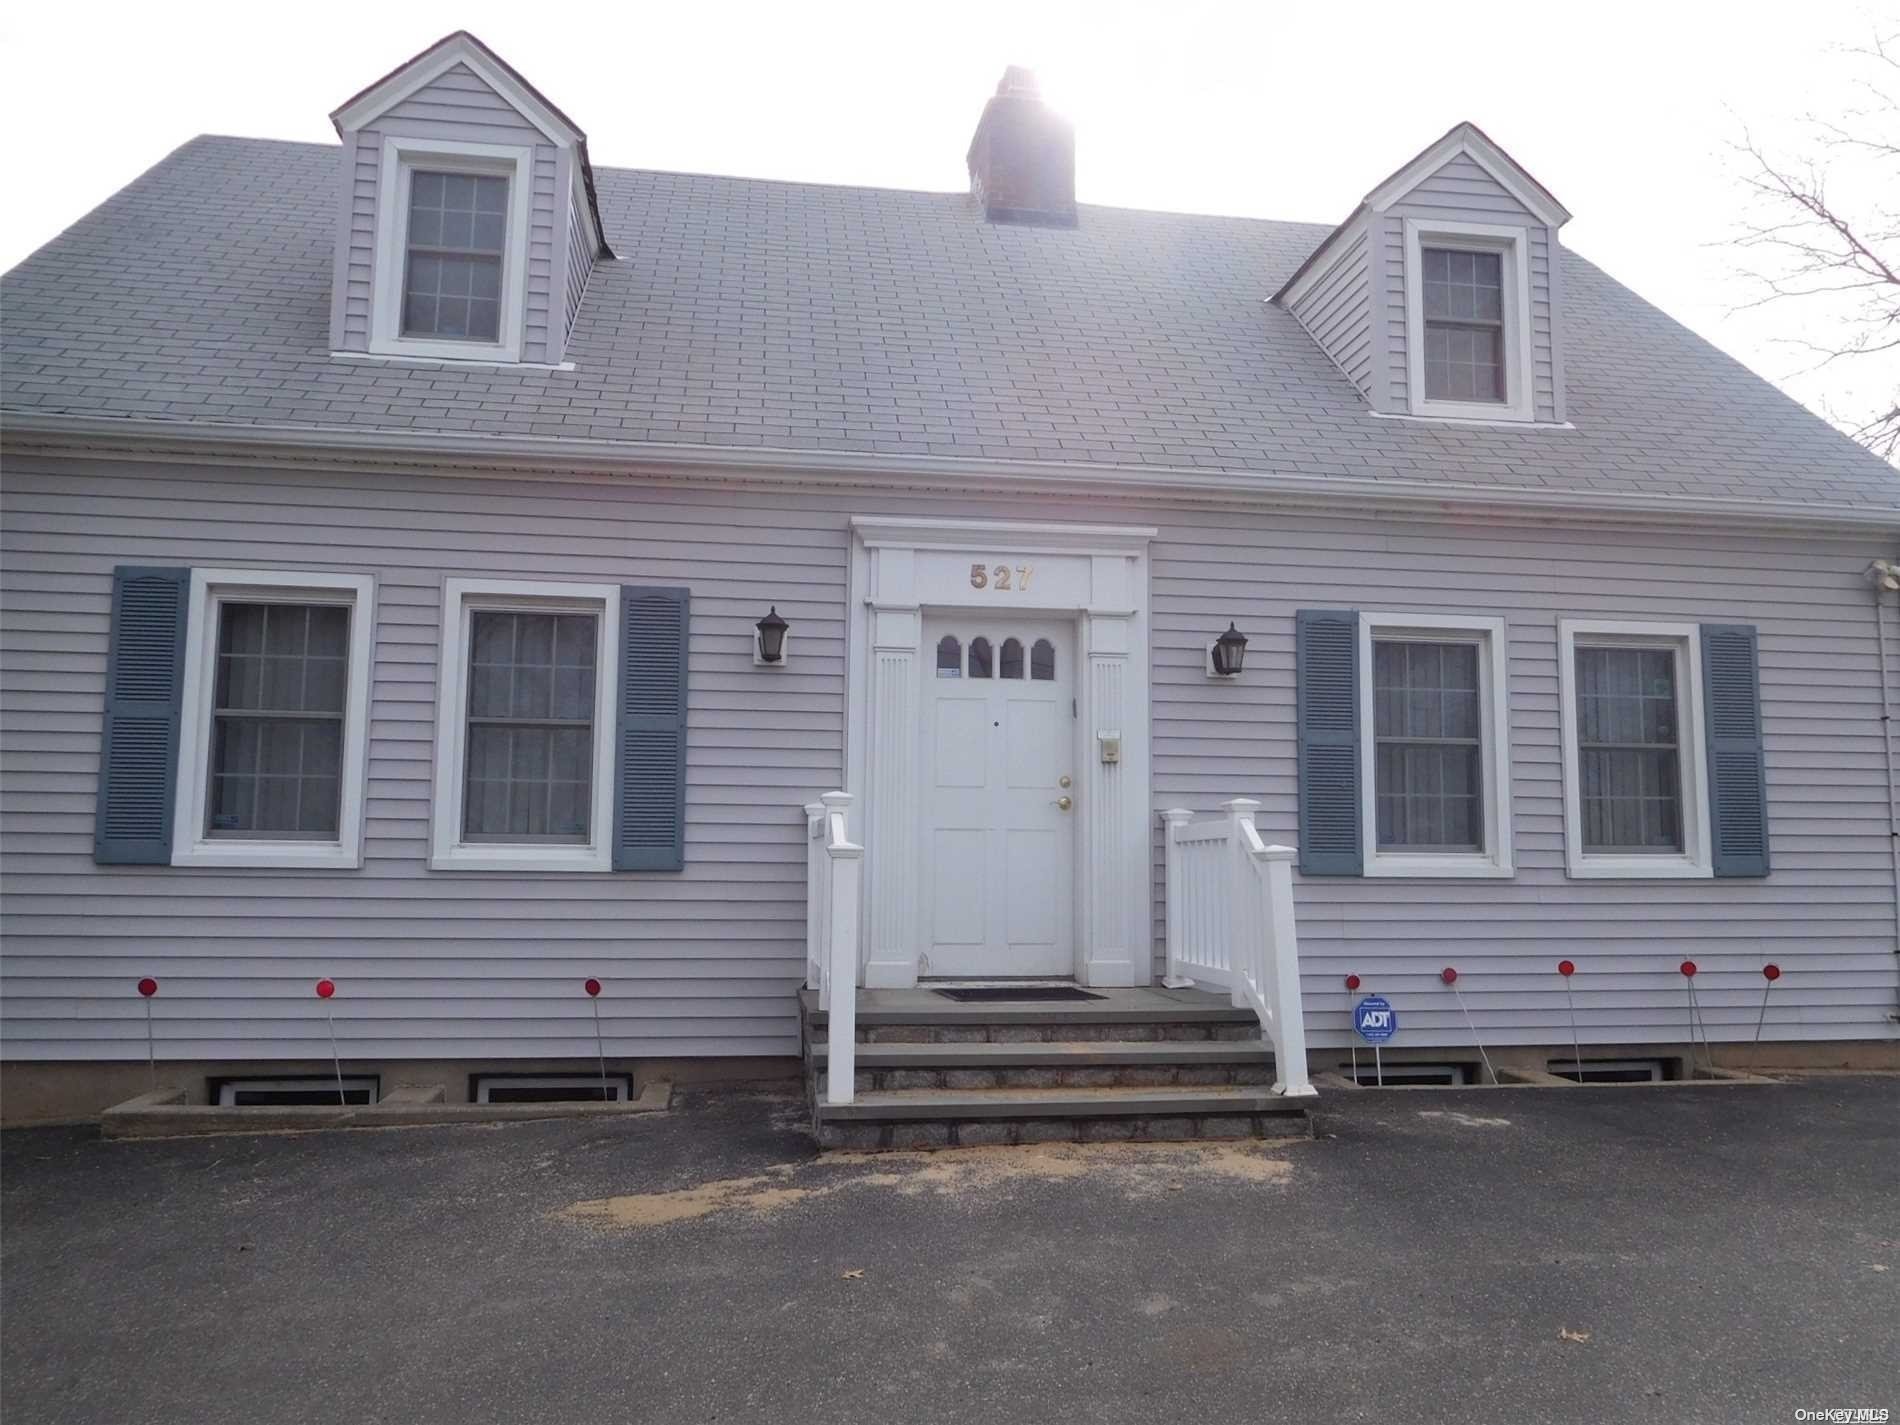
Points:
x=1489, y=635
x=1467, y=140
x=1095, y=575
x=400, y=158
x=430, y=66
x=191, y=845
x=1512, y=244
x=447, y=850
x=1695, y=861
x=462, y=454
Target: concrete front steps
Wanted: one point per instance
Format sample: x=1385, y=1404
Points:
x=1134, y=1065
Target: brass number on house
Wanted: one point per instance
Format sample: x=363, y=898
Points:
x=1001, y=577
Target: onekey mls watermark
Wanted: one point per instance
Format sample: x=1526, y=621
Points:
x=1847, y=1415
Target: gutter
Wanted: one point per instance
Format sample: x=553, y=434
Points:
x=35, y=432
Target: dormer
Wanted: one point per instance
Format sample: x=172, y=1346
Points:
x=1440, y=298
x=469, y=221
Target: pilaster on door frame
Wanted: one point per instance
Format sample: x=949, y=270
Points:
x=1096, y=575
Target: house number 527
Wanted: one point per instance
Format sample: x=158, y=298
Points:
x=998, y=577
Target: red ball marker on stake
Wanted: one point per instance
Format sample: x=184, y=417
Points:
x=148, y=987
x=1688, y=969
x=1450, y=977
x=1567, y=968
x=1352, y=1038
x=592, y=986
x=325, y=989
x=1769, y=974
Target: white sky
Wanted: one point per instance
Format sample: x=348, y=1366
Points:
x=1261, y=109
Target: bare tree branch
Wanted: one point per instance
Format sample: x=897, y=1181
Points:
x=1840, y=257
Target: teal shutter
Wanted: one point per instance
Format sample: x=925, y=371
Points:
x=650, y=761
x=138, y=759
x=1738, y=787
x=1327, y=697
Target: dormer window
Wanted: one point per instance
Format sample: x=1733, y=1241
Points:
x=1440, y=297
x=470, y=226
x=1468, y=320
x=457, y=238
x=1464, y=325
x=452, y=227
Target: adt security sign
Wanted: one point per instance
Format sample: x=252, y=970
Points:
x=1375, y=1019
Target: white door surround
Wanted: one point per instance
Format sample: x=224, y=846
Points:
x=998, y=750
x=1094, y=579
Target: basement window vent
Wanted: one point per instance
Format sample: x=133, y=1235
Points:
x=1610, y=1071
x=549, y=1088
x=1411, y=1075
x=294, y=1091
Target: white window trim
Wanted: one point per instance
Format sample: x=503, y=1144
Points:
x=1493, y=702
x=209, y=589
x=401, y=157
x=1513, y=244
x=448, y=852
x=1694, y=862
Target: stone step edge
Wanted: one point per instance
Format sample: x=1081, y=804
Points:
x=980, y=1015
x=955, y=1135
x=908, y=1105
x=1042, y=1054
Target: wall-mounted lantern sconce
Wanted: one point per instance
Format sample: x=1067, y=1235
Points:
x=768, y=650
x=1226, y=654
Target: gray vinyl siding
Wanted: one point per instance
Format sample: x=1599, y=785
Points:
x=1461, y=191
x=1337, y=310
x=580, y=254
x=458, y=106
x=446, y=965
x=1825, y=914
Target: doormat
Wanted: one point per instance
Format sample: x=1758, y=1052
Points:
x=1011, y=994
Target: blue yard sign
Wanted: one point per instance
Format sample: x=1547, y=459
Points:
x=1375, y=1019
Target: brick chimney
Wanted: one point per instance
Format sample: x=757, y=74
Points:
x=1022, y=160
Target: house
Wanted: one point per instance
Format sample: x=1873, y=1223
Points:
x=444, y=567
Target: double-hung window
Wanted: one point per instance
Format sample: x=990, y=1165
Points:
x=525, y=742
x=1468, y=331
x=1434, y=746
x=273, y=719
x=455, y=244
x=1634, y=760
x=1464, y=324
x=452, y=224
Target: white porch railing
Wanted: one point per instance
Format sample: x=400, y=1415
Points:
x=833, y=864
x=1230, y=926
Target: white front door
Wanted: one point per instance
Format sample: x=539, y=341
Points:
x=999, y=796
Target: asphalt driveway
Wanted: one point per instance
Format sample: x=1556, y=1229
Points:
x=1725, y=1253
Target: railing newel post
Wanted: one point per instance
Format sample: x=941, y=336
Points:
x=844, y=868
x=1175, y=883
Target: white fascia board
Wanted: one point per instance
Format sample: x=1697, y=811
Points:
x=1317, y=266
x=462, y=453
x=876, y=531
x=1488, y=156
x=426, y=69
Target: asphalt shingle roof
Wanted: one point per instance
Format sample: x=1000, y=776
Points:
x=763, y=314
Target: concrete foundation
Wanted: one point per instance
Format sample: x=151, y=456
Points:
x=80, y=1092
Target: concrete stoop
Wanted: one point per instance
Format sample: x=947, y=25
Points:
x=1130, y=1066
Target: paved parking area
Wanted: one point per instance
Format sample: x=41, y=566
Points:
x=1723, y=1253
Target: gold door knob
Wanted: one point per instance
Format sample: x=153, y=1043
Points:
x=1065, y=802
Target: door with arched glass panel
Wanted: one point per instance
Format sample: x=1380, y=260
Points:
x=999, y=801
